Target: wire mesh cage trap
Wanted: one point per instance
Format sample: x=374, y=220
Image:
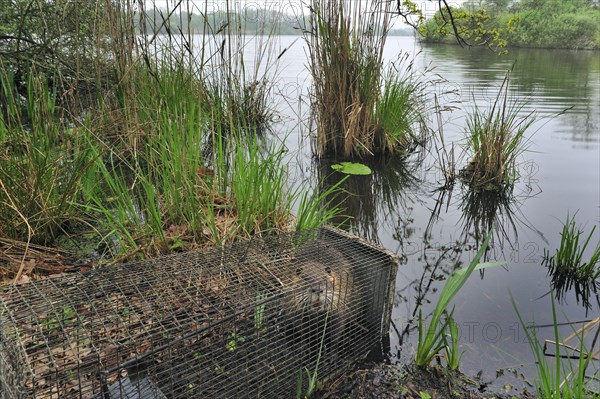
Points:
x=248, y=319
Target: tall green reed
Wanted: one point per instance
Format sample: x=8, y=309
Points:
x=432, y=340
x=40, y=167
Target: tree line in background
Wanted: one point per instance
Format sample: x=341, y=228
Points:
x=254, y=21
x=569, y=24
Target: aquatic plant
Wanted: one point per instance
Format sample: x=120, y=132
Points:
x=318, y=207
x=495, y=140
x=567, y=266
x=446, y=157
x=564, y=379
x=432, y=340
x=400, y=111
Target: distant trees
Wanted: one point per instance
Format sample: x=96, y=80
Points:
x=253, y=21
x=525, y=23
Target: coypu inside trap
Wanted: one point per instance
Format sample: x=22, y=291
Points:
x=248, y=319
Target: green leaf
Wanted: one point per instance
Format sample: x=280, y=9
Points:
x=352, y=168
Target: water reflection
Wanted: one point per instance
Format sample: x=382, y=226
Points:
x=551, y=81
x=439, y=264
x=380, y=197
x=500, y=212
x=564, y=283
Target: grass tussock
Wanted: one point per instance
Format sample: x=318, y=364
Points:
x=567, y=266
x=357, y=109
x=495, y=140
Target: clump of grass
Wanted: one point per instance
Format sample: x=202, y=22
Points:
x=400, y=111
x=355, y=107
x=567, y=266
x=495, y=140
x=319, y=207
x=39, y=166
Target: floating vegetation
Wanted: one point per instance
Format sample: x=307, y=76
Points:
x=351, y=168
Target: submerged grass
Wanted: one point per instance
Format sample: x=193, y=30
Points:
x=495, y=140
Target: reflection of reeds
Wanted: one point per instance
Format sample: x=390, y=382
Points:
x=372, y=198
x=483, y=210
x=499, y=212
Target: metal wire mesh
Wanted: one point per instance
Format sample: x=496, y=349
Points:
x=243, y=320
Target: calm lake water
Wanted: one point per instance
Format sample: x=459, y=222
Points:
x=399, y=206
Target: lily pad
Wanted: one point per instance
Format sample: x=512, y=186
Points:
x=351, y=168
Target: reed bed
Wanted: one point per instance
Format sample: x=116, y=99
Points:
x=355, y=104
x=169, y=150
